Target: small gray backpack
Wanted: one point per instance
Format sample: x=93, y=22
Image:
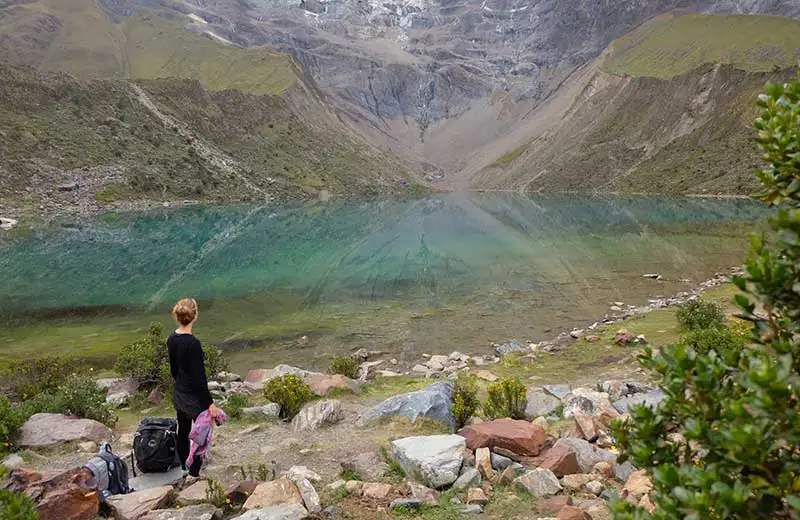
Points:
x=110, y=473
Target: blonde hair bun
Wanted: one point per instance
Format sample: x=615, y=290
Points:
x=185, y=311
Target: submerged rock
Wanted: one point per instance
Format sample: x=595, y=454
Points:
x=432, y=402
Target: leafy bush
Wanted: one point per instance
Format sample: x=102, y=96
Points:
x=29, y=377
x=717, y=339
x=234, y=406
x=698, y=314
x=145, y=360
x=465, y=399
x=344, y=365
x=215, y=361
x=290, y=392
x=80, y=396
x=11, y=420
x=16, y=506
x=724, y=442
x=507, y=398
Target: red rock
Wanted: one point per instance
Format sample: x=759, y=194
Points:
x=259, y=375
x=322, y=385
x=585, y=425
x=477, y=496
x=606, y=469
x=552, y=505
x=519, y=437
x=573, y=513
x=58, y=496
x=637, y=486
x=561, y=460
x=376, y=490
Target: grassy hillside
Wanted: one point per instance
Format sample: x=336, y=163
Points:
x=669, y=45
x=78, y=37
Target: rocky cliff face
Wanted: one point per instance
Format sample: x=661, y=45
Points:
x=427, y=60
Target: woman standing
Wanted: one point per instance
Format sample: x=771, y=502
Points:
x=190, y=395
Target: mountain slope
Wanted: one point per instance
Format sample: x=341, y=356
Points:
x=686, y=131
x=151, y=110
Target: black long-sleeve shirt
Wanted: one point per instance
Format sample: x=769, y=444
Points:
x=187, y=364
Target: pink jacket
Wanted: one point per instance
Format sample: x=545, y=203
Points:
x=202, y=435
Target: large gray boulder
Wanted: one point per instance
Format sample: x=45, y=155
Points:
x=540, y=404
x=432, y=402
x=279, y=512
x=587, y=453
x=49, y=429
x=436, y=460
x=584, y=401
x=650, y=399
x=558, y=391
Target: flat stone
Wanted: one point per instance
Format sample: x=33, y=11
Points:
x=436, y=459
x=477, y=496
x=279, y=491
x=559, y=391
x=368, y=465
x=135, y=505
x=194, y=494
x=483, y=461
x=469, y=477
x=432, y=402
x=198, y=512
x=49, y=429
x=376, y=490
x=587, y=454
x=144, y=481
x=322, y=385
x=561, y=460
x=302, y=472
x=540, y=404
x=472, y=509
x=310, y=497
x=649, y=399
x=317, y=414
x=584, y=401
x=276, y=512
x=519, y=437
x=539, y=482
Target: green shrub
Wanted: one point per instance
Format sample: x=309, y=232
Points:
x=11, y=420
x=344, y=365
x=699, y=314
x=234, y=406
x=290, y=392
x=507, y=398
x=723, y=443
x=465, y=399
x=80, y=396
x=719, y=340
x=215, y=361
x=146, y=360
x=16, y=506
x=29, y=377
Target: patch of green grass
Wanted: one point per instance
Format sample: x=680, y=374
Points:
x=396, y=471
x=111, y=193
x=348, y=474
x=385, y=387
x=669, y=45
x=509, y=504
x=444, y=509
x=510, y=157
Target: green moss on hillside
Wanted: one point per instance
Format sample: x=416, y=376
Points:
x=669, y=45
x=78, y=37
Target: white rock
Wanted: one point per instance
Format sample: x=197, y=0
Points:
x=309, y=494
x=539, y=482
x=317, y=414
x=279, y=512
x=435, y=459
x=13, y=462
x=302, y=472
x=7, y=224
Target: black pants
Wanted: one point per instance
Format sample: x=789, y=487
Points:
x=184, y=428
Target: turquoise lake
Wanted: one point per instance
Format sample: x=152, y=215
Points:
x=299, y=283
